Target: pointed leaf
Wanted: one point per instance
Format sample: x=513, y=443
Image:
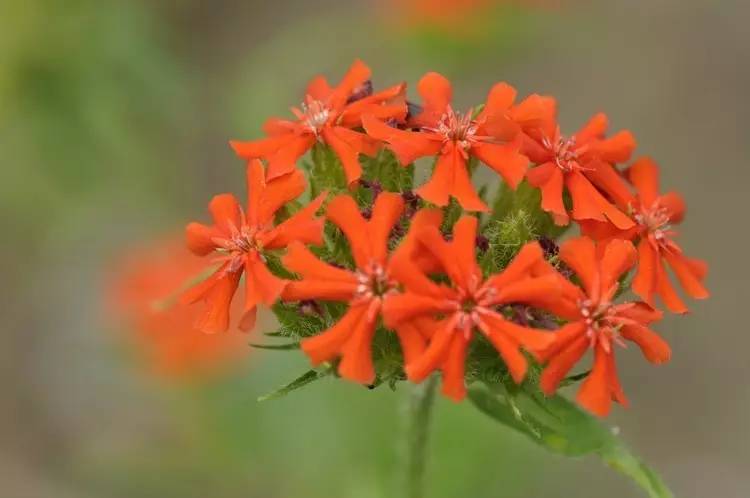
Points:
x=276, y=347
x=560, y=426
x=299, y=382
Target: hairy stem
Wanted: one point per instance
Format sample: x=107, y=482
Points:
x=421, y=401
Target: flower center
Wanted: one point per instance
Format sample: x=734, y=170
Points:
x=602, y=323
x=565, y=151
x=240, y=242
x=457, y=127
x=314, y=114
x=373, y=282
x=655, y=220
x=471, y=302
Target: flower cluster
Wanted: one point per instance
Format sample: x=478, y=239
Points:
x=389, y=259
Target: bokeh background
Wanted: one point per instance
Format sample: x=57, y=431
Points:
x=114, y=121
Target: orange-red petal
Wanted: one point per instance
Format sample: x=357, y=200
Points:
x=328, y=344
x=595, y=393
x=654, y=348
x=387, y=210
x=644, y=175
x=505, y=159
x=454, y=367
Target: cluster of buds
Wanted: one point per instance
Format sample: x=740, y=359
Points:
x=390, y=259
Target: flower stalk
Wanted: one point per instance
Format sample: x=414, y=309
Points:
x=421, y=401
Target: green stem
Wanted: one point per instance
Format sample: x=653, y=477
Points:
x=421, y=400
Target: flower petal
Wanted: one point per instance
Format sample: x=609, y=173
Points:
x=531, y=291
x=689, y=280
x=519, y=266
x=434, y=355
x=461, y=187
x=399, y=308
x=279, y=192
x=667, y=292
x=225, y=211
x=561, y=363
x=199, y=238
x=284, y=160
x=595, y=394
x=508, y=348
x=463, y=249
x=408, y=146
x=328, y=344
x=675, y=206
x=536, y=113
x=436, y=93
x=644, y=175
x=589, y=203
x=386, y=212
x=616, y=149
x=499, y=100
x=264, y=147
x=318, y=88
x=549, y=179
x=302, y=226
x=654, y=348
x=346, y=152
x=505, y=159
x=356, y=75
x=608, y=180
x=255, y=183
x=217, y=292
x=261, y=286
x=531, y=339
x=593, y=129
x=619, y=257
x=454, y=367
x=344, y=213
x=580, y=255
x=412, y=341
x=302, y=261
x=644, y=282
x=356, y=355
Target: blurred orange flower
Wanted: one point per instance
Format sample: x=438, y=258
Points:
x=141, y=294
x=451, y=16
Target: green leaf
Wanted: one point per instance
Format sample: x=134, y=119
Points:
x=301, y=381
x=560, y=426
x=276, y=347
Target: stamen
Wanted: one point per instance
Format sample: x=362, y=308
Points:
x=314, y=114
x=458, y=128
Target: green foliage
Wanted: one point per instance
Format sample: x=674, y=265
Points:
x=525, y=199
x=295, y=324
x=325, y=171
x=560, y=426
x=385, y=169
x=301, y=381
x=506, y=237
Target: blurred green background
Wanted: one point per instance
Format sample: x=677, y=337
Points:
x=114, y=121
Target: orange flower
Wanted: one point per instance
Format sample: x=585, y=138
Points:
x=240, y=238
x=582, y=163
x=654, y=215
x=595, y=322
x=491, y=136
x=140, y=290
x=329, y=114
x=365, y=289
x=449, y=14
x=470, y=303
